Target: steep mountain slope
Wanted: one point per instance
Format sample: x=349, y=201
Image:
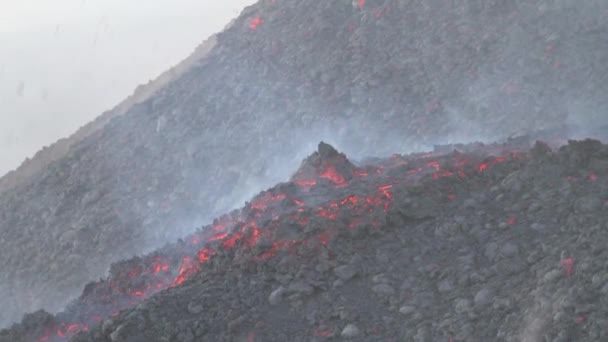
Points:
x=371, y=76
x=32, y=167
x=465, y=243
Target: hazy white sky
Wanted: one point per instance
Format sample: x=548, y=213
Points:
x=63, y=62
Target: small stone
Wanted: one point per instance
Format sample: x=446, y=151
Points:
x=604, y=289
x=491, y=251
x=483, y=297
x=301, y=288
x=552, y=275
x=345, y=272
x=509, y=250
x=384, y=290
x=462, y=306
x=407, y=310
x=422, y=335
x=350, y=331
x=445, y=286
x=380, y=279
x=587, y=204
x=115, y=335
x=276, y=296
x=106, y=326
x=470, y=203
x=195, y=308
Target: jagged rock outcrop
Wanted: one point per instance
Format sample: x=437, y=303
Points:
x=31, y=167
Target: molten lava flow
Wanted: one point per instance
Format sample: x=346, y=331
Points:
x=255, y=23
x=159, y=265
x=306, y=184
x=323, y=333
x=205, y=254
x=360, y=173
x=330, y=212
x=263, y=202
x=568, y=265
x=260, y=221
x=483, y=166
x=352, y=199
x=434, y=165
x=230, y=241
x=189, y=267
x=333, y=175
x=384, y=189
x=326, y=236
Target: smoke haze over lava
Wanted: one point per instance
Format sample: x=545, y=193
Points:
x=371, y=78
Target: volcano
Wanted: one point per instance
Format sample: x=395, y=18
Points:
x=468, y=242
x=370, y=77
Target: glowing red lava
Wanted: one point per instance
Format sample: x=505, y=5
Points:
x=323, y=332
x=255, y=23
x=306, y=184
x=568, y=265
x=162, y=272
x=333, y=175
x=205, y=254
x=512, y=221
x=360, y=173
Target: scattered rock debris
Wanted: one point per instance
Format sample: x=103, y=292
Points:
x=414, y=263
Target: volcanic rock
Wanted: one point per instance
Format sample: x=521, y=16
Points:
x=483, y=297
x=377, y=77
x=345, y=272
x=407, y=310
x=383, y=290
x=350, y=331
x=474, y=281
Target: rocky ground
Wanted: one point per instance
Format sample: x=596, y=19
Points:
x=373, y=76
x=500, y=242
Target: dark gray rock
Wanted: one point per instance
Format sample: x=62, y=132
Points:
x=483, y=297
x=407, y=310
x=276, y=296
x=195, y=308
x=350, y=331
x=383, y=290
x=345, y=272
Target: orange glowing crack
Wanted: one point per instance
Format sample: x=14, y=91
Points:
x=360, y=173
x=333, y=175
